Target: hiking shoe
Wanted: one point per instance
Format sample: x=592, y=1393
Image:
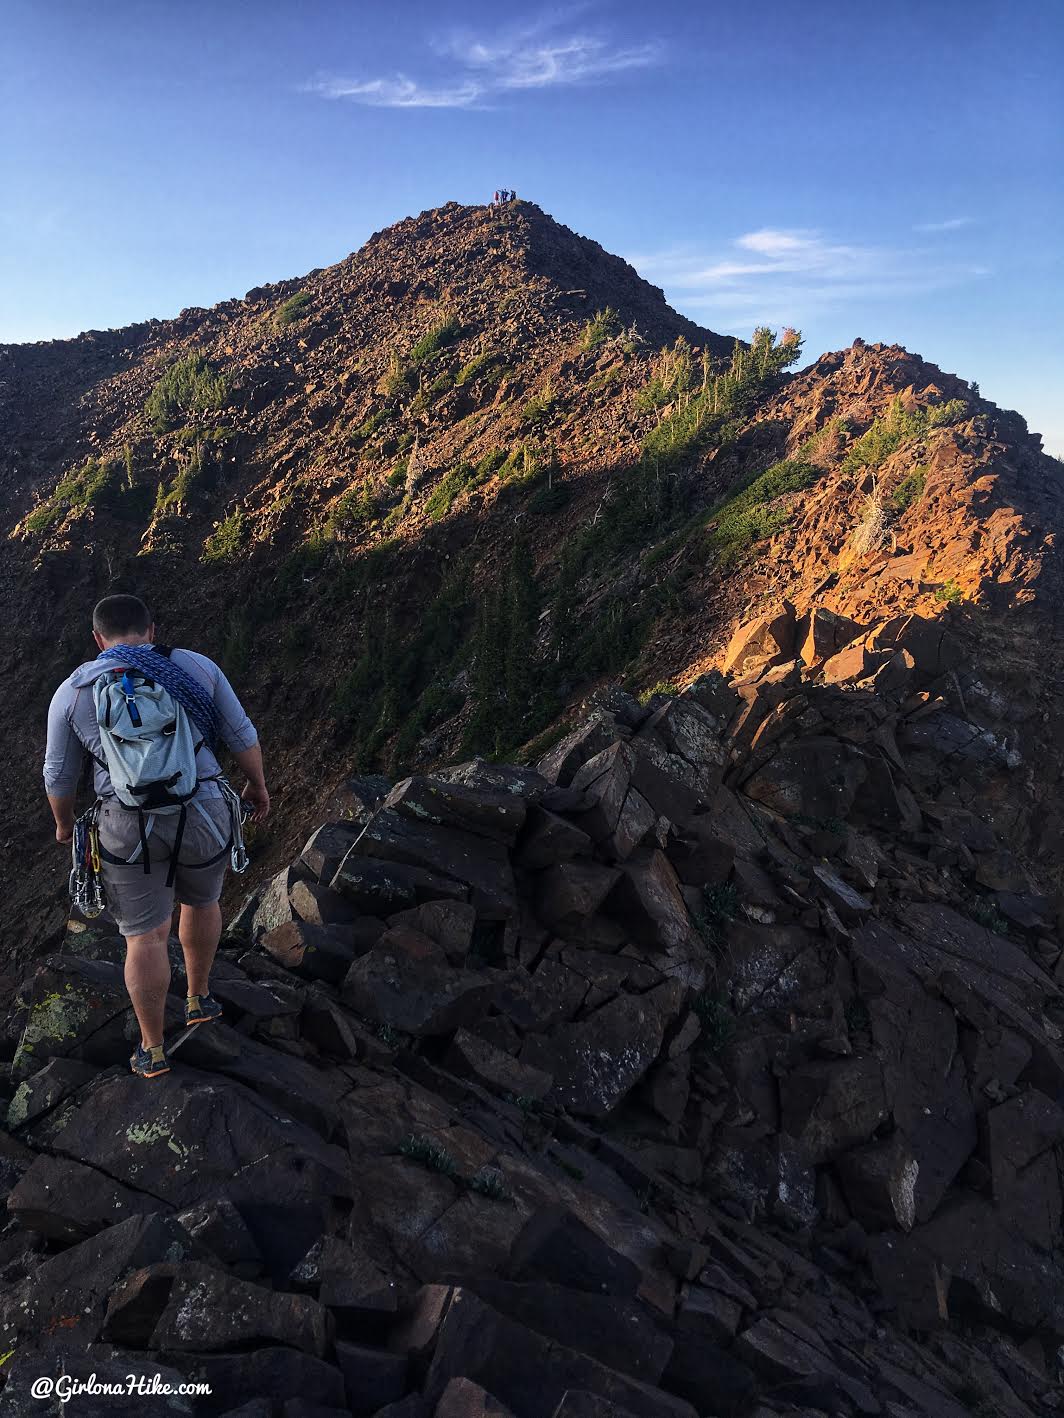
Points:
x=149, y=1063
x=199, y=1009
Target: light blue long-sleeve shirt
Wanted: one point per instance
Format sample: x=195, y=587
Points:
x=73, y=730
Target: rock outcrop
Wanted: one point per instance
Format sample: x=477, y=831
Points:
x=715, y=1066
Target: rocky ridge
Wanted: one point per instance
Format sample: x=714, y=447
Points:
x=712, y=1066
x=433, y=405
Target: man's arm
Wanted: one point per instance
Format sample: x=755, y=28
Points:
x=249, y=761
x=63, y=761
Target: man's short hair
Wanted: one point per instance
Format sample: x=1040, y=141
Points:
x=116, y=616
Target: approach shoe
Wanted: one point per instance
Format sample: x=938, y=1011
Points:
x=200, y=1009
x=149, y=1063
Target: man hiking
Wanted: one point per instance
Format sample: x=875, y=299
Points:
x=151, y=720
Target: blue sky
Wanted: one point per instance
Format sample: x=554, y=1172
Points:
x=889, y=172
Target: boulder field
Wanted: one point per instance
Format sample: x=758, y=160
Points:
x=713, y=1066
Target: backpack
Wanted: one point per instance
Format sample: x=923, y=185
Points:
x=148, y=742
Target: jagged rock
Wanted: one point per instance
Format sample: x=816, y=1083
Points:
x=709, y=1313
x=934, y=648
x=43, y=1090
x=700, y=857
x=450, y=924
x=693, y=734
x=219, y=1226
x=472, y=1057
x=407, y=982
x=527, y=1372
x=850, y=904
x=554, y=994
x=619, y=818
x=382, y=888
x=647, y=898
x=550, y=838
x=595, y=1063
x=96, y=1379
x=273, y=1369
x=77, y=1007
x=828, y=1107
x=419, y=1324
x=346, y=1278
x=462, y=1399
x=66, y=1201
x=326, y=848
x=358, y=797
x=186, y=1307
x=318, y=952
x=70, y=1291
x=477, y=862
x=616, y=1331
x=557, y=1247
x=793, y=1360
x=826, y=778
x=481, y=775
x=880, y=1183
x=559, y=764
x=570, y=892
x=1021, y=1137
x=770, y=637
x=826, y=633
x=320, y=905
x=708, y=1376
x=274, y=907
x=496, y=814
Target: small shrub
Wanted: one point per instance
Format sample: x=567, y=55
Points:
x=293, y=309
x=720, y=902
x=189, y=386
x=551, y=497
x=488, y=1182
x=605, y=378
x=429, y=1154
x=447, y=491
x=44, y=516
x=436, y=339
x=353, y=510
x=665, y=687
x=988, y=915
x=871, y=531
x=397, y=476
x=716, y=1019
x=372, y=424
x=537, y=410
x=602, y=327
x=748, y=516
x=479, y=366
x=227, y=539
x=950, y=593
x=909, y=490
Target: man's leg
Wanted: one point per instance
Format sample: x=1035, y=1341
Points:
x=147, y=976
x=200, y=930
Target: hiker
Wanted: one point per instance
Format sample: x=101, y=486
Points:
x=496, y=199
x=165, y=821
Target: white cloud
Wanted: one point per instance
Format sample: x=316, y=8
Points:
x=800, y=272
x=397, y=92
x=950, y=224
x=523, y=59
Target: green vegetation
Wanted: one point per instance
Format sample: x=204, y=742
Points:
x=720, y=903
x=372, y=424
x=604, y=325
x=716, y=1019
x=448, y=489
x=487, y=1182
x=293, y=309
x=909, y=490
x=503, y=682
x=751, y=515
x=436, y=339
x=538, y=409
x=479, y=365
x=190, y=386
x=353, y=511
x=98, y=482
x=227, y=539
x=897, y=426
x=950, y=593
x=672, y=377
x=664, y=687
x=429, y=1154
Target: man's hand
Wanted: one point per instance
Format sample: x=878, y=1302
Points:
x=63, y=812
x=259, y=798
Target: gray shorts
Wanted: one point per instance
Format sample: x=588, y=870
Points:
x=139, y=900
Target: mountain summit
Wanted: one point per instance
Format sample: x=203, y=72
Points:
x=430, y=496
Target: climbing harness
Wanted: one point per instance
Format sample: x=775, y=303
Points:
x=86, y=884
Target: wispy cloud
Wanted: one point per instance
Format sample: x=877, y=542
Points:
x=786, y=274
x=950, y=224
x=479, y=68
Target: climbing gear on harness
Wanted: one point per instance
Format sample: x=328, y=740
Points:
x=238, y=810
x=86, y=886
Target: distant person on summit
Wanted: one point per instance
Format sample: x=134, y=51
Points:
x=165, y=821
